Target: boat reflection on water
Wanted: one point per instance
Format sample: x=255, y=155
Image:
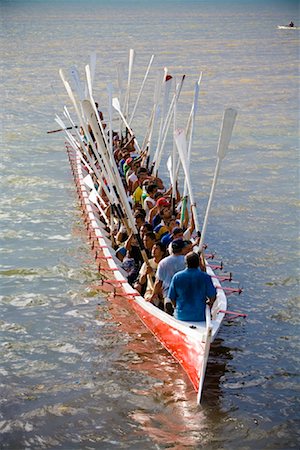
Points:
x=164, y=401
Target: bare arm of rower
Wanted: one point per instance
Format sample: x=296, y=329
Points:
x=145, y=270
x=157, y=290
x=128, y=243
x=211, y=300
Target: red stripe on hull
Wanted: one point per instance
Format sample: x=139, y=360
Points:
x=188, y=351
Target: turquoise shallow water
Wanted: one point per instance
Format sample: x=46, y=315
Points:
x=78, y=371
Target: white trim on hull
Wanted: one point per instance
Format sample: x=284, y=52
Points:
x=188, y=342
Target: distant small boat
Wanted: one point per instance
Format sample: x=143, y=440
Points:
x=287, y=27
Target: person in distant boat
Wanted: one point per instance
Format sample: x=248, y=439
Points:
x=291, y=24
x=165, y=271
x=190, y=289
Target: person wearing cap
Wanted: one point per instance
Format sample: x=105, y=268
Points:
x=189, y=290
x=176, y=233
x=124, y=156
x=165, y=228
x=127, y=166
x=155, y=213
x=166, y=269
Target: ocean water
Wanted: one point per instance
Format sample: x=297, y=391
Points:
x=78, y=370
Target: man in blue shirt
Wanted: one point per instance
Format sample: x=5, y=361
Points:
x=189, y=290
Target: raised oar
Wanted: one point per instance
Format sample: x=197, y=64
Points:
x=91, y=168
x=88, y=180
x=111, y=194
x=116, y=105
x=224, y=139
x=158, y=153
x=72, y=142
x=61, y=129
x=120, y=76
x=78, y=85
x=110, y=114
x=113, y=176
x=190, y=126
x=93, y=61
x=103, y=156
x=141, y=90
x=90, y=92
x=174, y=155
x=166, y=85
x=147, y=142
x=180, y=140
x=192, y=113
x=127, y=96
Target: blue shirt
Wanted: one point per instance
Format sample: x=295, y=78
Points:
x=189, y=288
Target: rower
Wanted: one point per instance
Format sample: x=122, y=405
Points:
x=165, y=271
x=149, y=240
x=148, y=271
x=149, y=201
x=142, y=175
x=189, y=291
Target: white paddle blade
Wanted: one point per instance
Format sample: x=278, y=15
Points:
x=88, y=181
x=93, y=197
x=59, y=121
x=226, y=131
x=116, y=104
x=77, y=82
x=180, y=140
x=89, y=88
x=93, y=62
x=196, y=96
x=131, y=59
x=169, y=167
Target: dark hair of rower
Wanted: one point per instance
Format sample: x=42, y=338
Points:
x=192, y=260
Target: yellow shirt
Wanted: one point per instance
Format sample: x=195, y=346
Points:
x=137, y=195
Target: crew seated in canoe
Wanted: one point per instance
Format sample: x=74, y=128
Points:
x=149, y=201
x=145, y=228
x=139, y=218
x=155, y=215
x=189, y=290
x=149, y=239
x=165, y=271
x=133, y=259
x=131, y=175
x=177, y=232
x=147, y=274
x=142, y=175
